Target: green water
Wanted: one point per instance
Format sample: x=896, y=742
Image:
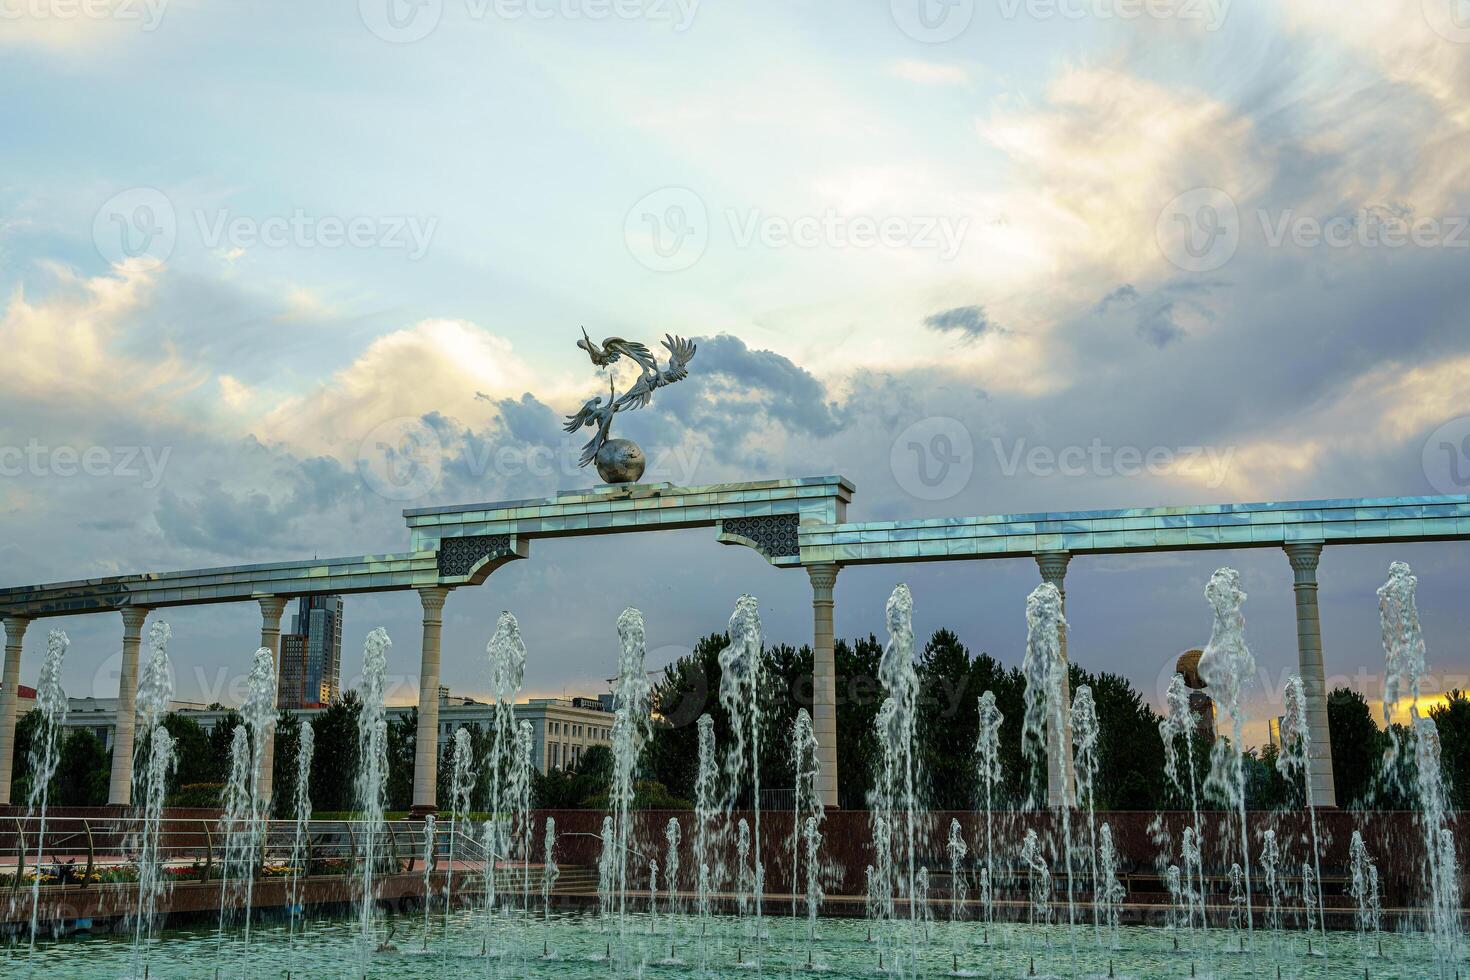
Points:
x=578, y=944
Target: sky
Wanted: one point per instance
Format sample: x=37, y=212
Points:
x=977, y=256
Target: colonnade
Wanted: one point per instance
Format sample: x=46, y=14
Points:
x=1304, y=558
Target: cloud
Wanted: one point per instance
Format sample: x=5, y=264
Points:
x=433, y=366
x=927, y=72
x=1123, y=295
x=730, y=379
x=970, y=322
x=67, y=27
x=1096, y=163
x=75, y=349
x=261, y=503
x=1158, y=326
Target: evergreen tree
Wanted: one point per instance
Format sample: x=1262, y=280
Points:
x=1358, y=745
x=948, y=721
x=83, y=771
x=859, y=696
x=334, y=763
x=402, y=739
x=1453, y=721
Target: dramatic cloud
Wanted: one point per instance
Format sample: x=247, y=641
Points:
x=970, y=322
x=238, y=408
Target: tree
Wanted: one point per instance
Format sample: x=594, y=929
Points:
x=334, y=763
x=690, y=688
x=597, y=764
x=1265, y=787
x=1453, y=721
x=402, y=738
x=21, y=777
x=82, y=772
x=1130, y=751
x=859, y=696
x=221, y=738
x=83, y=766
x=193, y=761
x=283, y=770
x=1357, y=747
x=585, y=786
x=948, y=721
x=1008, y=686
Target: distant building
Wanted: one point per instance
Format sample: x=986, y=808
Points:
x=1201, y=705
x=99, y=715
x=310, y=669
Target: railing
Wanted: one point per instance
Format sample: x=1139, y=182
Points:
x=87, y=851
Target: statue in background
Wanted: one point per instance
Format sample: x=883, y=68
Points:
x=621, y=460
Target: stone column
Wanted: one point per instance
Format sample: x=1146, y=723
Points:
x=120, y=788
x=1060, y=778
x=426, y=745
x=1304, y=557
x=824, y=680
x=15, y=631
x=271, y=608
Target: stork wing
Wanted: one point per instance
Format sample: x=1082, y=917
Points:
x=615, y=346
x=588, y=415
x=589, y=451
x=640, y=394
x=681, y=352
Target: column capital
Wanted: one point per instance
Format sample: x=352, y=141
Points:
x=15, y=629
x=1053, y=565
x=1304, y=556
x=272, y=607
x=134, y=617
x=433, y=598
x=823, y=577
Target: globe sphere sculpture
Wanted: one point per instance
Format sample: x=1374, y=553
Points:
x=620, y=461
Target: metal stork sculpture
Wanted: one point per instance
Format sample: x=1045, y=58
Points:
x=621, y=460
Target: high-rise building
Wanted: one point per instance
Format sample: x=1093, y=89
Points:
x=310, y=668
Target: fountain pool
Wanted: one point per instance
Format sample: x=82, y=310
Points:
x=576, y=945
